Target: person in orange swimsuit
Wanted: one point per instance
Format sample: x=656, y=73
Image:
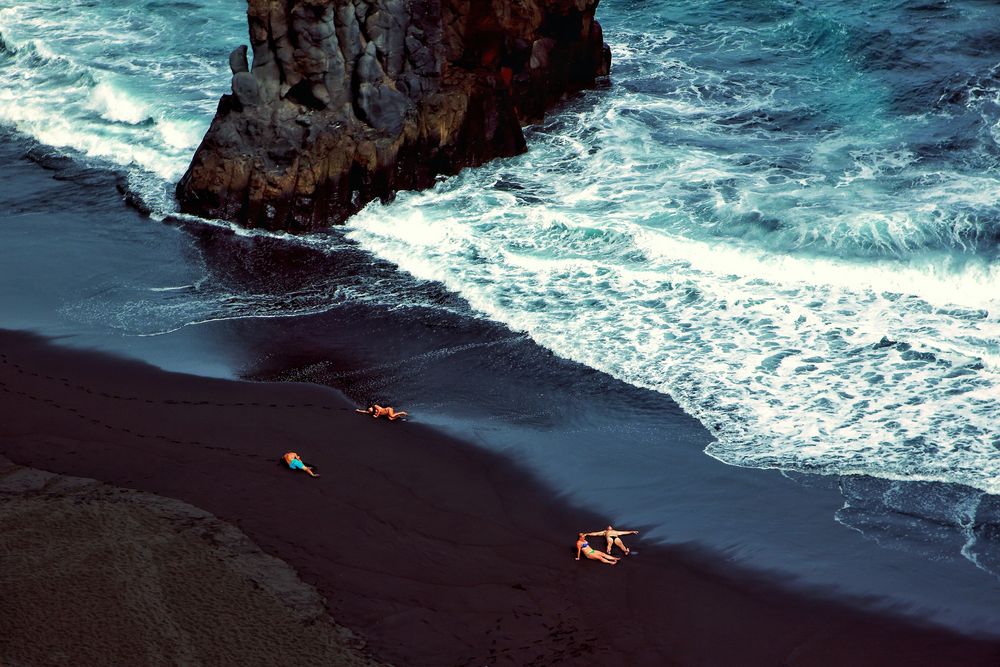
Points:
x=294, y=462
x=377, y=411
x=614, y=538
x=593, y=554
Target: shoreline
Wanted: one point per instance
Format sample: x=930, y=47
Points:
x=467, y=376
x=433, y=550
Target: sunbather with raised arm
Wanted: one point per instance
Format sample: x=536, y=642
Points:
x=614, y=538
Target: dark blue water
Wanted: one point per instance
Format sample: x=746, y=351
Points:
x=783, y=217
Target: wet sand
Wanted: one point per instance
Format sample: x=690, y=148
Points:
x=437, y=553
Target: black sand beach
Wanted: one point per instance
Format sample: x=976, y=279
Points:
x=435, y=552
x=95, y=574
x=695, y=595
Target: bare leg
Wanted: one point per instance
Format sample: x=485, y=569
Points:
x=611, y=541
x=393, y=415
x=620, y=545
x=604, y=558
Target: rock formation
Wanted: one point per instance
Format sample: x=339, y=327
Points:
x=349, y=101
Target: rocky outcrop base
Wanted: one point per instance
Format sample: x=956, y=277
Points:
x=347, y=102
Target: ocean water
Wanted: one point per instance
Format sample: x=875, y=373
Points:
x=133, y=85
x=786, y=216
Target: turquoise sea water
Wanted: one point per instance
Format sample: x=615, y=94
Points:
x=785, y=216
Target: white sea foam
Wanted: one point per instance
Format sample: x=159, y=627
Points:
x=89, y=80
x=758, y=294
x=788, y=374
x=116, y=106
x=182, y=135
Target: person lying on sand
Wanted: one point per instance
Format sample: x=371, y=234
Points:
x=294, y=462
x=592, y=553
x=377, y=411
x=614, y=538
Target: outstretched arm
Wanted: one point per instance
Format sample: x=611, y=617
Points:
x=596, y=532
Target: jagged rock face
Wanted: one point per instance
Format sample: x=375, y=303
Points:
x=349, y=101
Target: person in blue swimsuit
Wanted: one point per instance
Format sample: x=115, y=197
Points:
x=294, y=462
x=582, y=546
